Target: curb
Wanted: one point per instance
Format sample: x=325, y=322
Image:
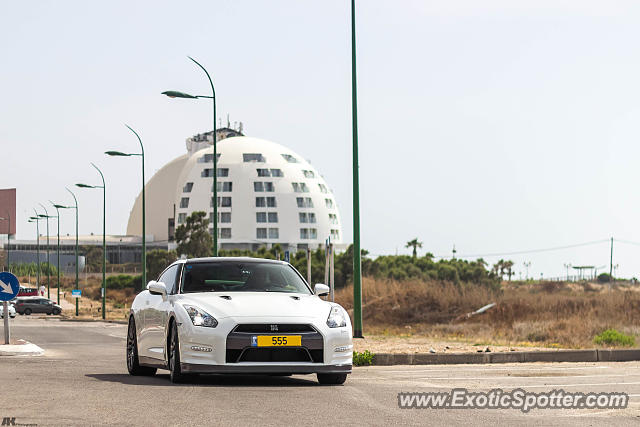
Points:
x=387, y=359
x=27, y=349
x=71, y=319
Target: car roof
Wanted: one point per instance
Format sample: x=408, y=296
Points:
x=230, y=259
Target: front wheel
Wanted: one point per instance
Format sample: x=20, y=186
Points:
x=175, y=370
x=27, y=311
x=56, y=312
x=133, y=364
x=332, y=379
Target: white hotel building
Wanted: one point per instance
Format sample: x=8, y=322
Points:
x=267, y=194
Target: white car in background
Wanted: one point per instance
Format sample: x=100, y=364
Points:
x=11, y=310
x=237, y=315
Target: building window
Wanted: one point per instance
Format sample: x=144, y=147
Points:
x=289, y=158
x=308, y=174
x=263, y=186
x=224, y=233
x=323, y=188
x=184, y=202
x=181, y=218
x=304, y=202
x=225, y=217
x=271, y=202
x=328, y=203
x=313, y=233
x=312, y=218
x=268, y=187
x=207, y=158
x=308, y=233
x=272, y=216
x=224, y=202
x=187, y=187
x=304, y=233
x=224, y=186
x=260, y=202
x=208, y=173
x=333, y=219
x=300, y=187
x=258, y=186
x=253, y=157
x=261, y=217
x=261, y=233
x=263, y=172
x=302, y=216
x=277, y=173
x=274, y=233
x=335, y=234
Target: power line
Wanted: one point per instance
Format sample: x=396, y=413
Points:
x=530, y=251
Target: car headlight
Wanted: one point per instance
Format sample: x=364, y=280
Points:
x=337, y=318
x=199, y=317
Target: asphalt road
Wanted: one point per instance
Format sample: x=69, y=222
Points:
x=82, y=380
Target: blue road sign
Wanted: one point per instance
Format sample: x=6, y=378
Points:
x=9, y=286
x=76, y=293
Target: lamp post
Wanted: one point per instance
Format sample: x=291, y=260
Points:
x=104, y=232
x=37, y=219
x=357, y=262
x=76, y=208
x=58, y=251
x=144, y=241
x=8, y=219
x=46, y=215
x=176, y=94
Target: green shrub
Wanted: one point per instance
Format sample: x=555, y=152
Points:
x=613, y=337
x=122, y=281
x=362, y=359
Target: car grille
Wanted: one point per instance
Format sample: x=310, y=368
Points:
x=259, y=328
x=239, y=340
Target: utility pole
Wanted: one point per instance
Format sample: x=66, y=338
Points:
x=611, y=265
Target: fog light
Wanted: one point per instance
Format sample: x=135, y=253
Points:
x=343, y=348
x=199, y=348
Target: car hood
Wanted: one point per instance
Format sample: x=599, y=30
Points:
x=257, y=304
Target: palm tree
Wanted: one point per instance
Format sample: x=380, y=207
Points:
x=415, y=245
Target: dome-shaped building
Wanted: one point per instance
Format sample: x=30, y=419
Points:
x=267, y=194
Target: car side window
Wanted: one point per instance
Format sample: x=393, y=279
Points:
x=169, y=278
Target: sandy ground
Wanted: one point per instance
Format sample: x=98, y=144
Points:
x=422, y=344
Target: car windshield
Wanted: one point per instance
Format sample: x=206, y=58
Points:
x=238, y=276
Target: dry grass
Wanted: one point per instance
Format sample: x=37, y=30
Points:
x=549, y=314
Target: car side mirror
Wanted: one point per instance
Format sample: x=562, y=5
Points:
x=157, y=288
x=321, y=289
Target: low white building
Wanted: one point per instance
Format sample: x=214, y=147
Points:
x=267, y=194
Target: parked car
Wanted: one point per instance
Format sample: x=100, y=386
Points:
x=237, y=316
x=27, y=292
x=11, y=310
x=28, y=305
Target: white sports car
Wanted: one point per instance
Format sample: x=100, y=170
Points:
x=237, y=315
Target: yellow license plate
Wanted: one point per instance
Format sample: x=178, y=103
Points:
x=279, y=341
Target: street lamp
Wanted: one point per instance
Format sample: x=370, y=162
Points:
x=144, y=237
x=357, y=262
x=46, y=215
x=104, y=232
x=8, y=219
x=76, y=208
x=58, y=207
x=37, y=219
x=176, y=94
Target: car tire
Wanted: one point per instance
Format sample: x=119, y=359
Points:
x=27, y=311
x=48, y=314
x=175, y=371
x=332, y=379
x=56, y=312
x=133, y=364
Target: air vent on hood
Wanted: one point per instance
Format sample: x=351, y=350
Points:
x=295, y=297
x=227, y=297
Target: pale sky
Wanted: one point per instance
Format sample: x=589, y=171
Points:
x=497, y=126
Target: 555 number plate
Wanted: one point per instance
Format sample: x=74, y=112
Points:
x=276, y=341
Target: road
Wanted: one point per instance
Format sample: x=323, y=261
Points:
x=82, y=380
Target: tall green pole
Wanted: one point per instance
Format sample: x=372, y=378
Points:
x=77, y=271
x=58, y=269
x=37, y=219
x=104, y=242
x=215, y=163
x=48, y=260
x=357, y=275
